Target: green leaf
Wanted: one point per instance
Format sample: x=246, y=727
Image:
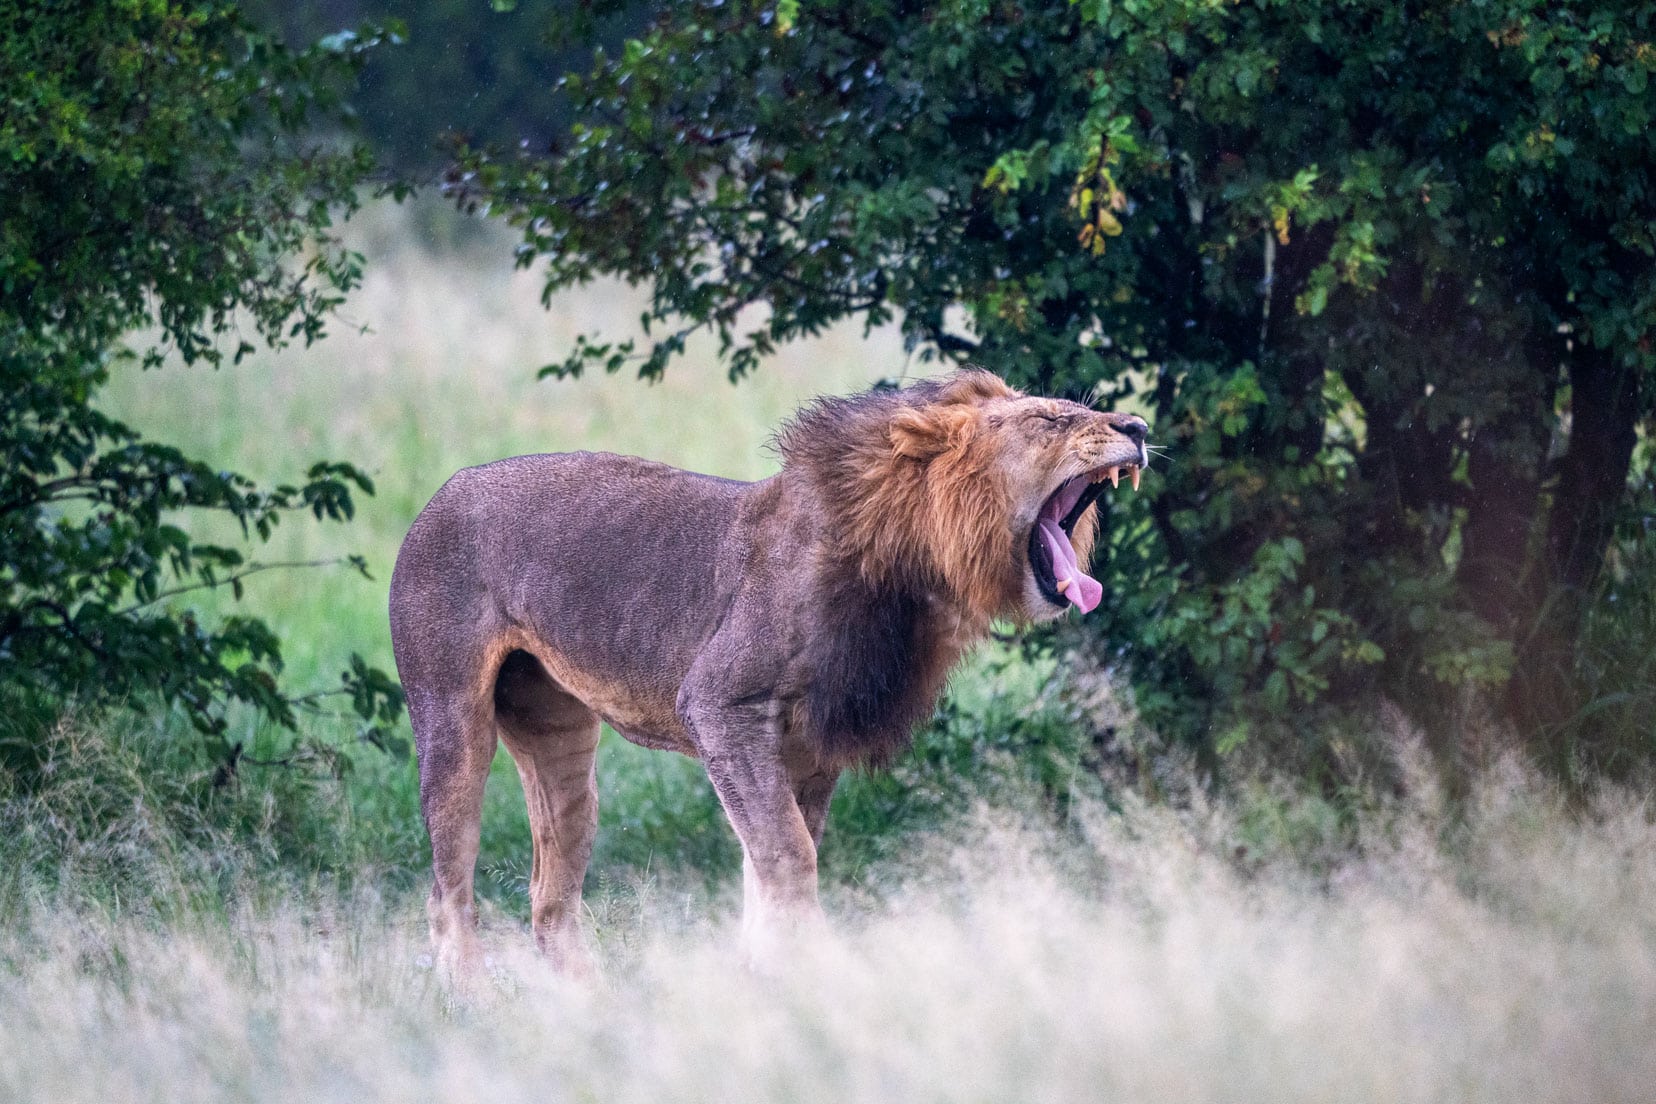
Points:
x=787, y=14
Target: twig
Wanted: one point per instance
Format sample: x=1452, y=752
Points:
x=251, y=569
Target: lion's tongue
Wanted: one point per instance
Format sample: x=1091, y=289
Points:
x=1084, y=591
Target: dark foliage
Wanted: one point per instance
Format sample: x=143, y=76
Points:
x=467, y=70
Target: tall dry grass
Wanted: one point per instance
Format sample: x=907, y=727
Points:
x=1505, y=954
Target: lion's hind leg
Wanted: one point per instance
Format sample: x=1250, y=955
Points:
x=456, y=737
x=553, y=738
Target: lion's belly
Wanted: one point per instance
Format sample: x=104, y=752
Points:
x=640, y=709
x=654, y=739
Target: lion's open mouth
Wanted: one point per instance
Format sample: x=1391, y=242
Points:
x=1058, y=575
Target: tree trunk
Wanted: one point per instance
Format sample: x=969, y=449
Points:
x=1504, y=464
x=1592, y=480
x=1408, y=459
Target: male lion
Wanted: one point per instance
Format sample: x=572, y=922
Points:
x=779, y=631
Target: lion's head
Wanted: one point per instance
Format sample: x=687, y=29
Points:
x=969, y=484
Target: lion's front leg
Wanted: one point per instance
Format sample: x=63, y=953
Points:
x=812, y=791
x=741, y=747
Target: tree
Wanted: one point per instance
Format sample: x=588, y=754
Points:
x=155, y=175
x=1382, y=272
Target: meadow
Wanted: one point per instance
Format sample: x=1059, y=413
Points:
x=1006, y=926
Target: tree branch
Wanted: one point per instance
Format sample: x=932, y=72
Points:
x=228, y=580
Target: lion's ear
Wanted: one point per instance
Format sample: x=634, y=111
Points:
x=974, y=385
x=915, y=435
x=929, y=431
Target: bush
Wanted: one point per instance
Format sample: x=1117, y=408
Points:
x=159, y=172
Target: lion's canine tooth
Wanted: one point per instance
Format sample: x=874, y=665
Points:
x=1136, y=471
x=1115, y=477
x=1063, y=585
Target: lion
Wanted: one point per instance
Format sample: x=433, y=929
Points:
x=780, y=631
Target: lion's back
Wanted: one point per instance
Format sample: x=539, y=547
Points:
x=554, y=541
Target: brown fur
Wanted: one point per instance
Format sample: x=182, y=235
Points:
x=780, y=631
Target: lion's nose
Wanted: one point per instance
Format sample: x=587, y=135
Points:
x=1135, y=428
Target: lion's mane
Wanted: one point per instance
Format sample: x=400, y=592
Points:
x=920, y=520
